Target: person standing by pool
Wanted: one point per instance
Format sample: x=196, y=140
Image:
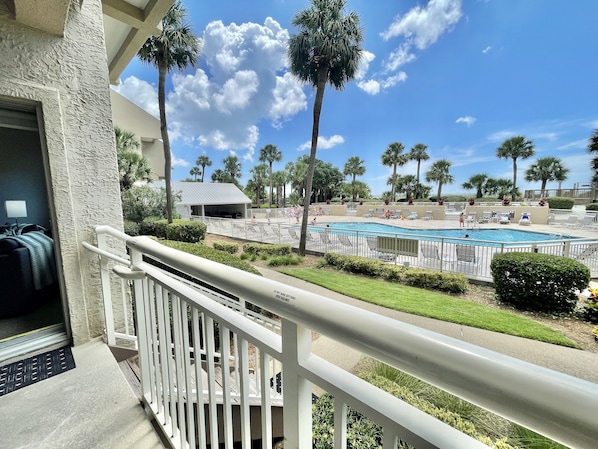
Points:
x=461, y=220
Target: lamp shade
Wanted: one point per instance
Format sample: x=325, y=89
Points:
x=15, y=209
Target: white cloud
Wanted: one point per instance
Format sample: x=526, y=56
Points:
x=140, y=92
x=487, y=49
x=243, y=80
x=177, y=162
x=419, y=28
x=324, y=143
x=468, y=120
x=424, y=25
x=399, y=57
x=364, y=64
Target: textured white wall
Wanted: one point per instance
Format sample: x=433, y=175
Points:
x=68, y=77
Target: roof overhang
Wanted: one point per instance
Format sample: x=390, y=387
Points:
x=127, y=23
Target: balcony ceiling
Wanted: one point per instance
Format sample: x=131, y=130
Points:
x=127, y=23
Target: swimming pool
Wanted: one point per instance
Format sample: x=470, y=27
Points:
x=491, y=235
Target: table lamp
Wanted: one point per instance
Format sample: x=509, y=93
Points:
x=16, y=210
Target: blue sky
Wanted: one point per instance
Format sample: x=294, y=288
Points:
x=458, y=76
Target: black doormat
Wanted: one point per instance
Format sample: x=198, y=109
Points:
x=34, y=369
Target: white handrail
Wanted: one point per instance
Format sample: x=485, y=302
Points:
x=559, y=406
x=554, y=404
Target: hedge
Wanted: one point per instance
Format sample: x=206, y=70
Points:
x=538, y=282
x=415, y=277
x=560, y=203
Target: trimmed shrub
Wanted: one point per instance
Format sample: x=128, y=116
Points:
x=278, y=261
x=148, y=227
x=593, y=206
x=201, y=250
x=414, y=277
x=560, y=203
x=538, y=282
x=131, y=228
x=229, y=247
x=186, y=231
x=258, y=249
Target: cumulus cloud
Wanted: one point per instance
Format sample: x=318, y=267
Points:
x=424, y=25
x=324, y=143
x=468, y=120
x=243, y=83
x=419, y=28
x=177, y=162
x=486, y=50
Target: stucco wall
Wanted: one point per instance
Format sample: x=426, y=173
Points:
x=68, y=77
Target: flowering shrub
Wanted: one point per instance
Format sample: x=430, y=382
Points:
x=591, y=306
x=410, y=201
x=506, y=202
x=471, y=202
x=542, y=203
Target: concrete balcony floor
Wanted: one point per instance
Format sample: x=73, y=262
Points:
x=89, y=407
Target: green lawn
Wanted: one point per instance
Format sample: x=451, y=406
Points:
x=430, y=304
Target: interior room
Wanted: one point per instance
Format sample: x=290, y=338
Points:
x=30, y=300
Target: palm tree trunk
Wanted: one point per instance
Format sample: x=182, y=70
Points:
x=270, y=185
x=394, y=183
x=165, y=140
x=322, y=77
x=514, y=179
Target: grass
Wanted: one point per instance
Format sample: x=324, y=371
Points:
x=431, y=304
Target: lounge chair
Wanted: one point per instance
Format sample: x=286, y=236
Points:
x=486, y=217
x=525, y=219
x=325, y=239
x=431, y=255
x=571, y=221
x=293, y=234
x=412, y=216
x=552, y=220
x=504, y=218
x=369, y=214
x=586, y=221
x=471, y=219
x=344, y=239
x=429, y=215
x=466, y=255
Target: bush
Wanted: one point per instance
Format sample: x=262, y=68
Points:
x=538, y=282
x=201, y=250
x=131, y=228
x=229, y=247
x=593, y=206
x=258, y=249
x=560, y=203
x=415, y=277
x=186, y=231
x=148, y=227
x=278, y=261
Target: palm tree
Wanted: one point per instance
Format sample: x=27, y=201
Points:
x=132, y=166
x=232, y=167
x=125, y=140
x=407, y=184
x=439, y=172
x=477, y=183
x=327, y=49
x=354, y=167
x=514, y=148
x=203, y=161
x=220, y=176
x=257, y=182
x=175, y=46
x=280, y=179
x=418, y=153
x=393, y=157
x=270, y=154
x=546, y=169
x=593, y=148
x=195, y=172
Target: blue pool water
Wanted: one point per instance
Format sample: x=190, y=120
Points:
x=506, y=235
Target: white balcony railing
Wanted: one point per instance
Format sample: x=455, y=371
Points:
x=195, y=350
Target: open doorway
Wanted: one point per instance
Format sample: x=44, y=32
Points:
x=32, y=308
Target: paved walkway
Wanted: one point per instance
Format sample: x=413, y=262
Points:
x=575, y=362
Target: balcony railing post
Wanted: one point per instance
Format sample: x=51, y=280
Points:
x=296, y=345
x=106, y=292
